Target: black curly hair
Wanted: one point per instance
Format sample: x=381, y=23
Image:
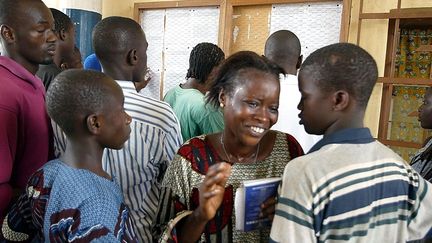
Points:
x=61, y=21
x=203, y=58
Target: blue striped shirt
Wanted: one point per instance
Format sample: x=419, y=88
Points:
x=140, y=166
x=59, y=139
x=351, y=188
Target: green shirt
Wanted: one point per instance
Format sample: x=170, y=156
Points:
x=196, y=118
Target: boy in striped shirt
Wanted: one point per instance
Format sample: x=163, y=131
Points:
x=349, y=187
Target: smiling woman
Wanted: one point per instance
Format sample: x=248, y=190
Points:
x=247, y=89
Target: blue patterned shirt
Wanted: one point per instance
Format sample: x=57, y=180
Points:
x=65, y=204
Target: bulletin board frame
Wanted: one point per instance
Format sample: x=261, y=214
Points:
x=226, y=13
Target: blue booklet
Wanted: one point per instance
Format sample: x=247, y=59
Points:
x=248, y=199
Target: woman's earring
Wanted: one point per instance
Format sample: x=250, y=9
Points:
x=221, y=105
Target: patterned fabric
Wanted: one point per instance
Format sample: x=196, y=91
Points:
x=352, y=189
x=409, y=62
x=404, y=126
x=140, y=166
x=65, y=204
x=422, y=161
x=59, y=139
x=195, y=117
x=188, y=168
x=406, y=99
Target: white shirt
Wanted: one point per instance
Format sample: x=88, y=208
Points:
x=140, y=166
x=288, y=121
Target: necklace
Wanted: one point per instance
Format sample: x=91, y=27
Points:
x=228, y=157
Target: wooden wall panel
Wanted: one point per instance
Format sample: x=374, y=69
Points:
x=354, y=22
x=372, y=115
x=416, y=3
x=373, y=38
x=250, y=28
x=123, y=8
x=378, y=6
x=52, y=3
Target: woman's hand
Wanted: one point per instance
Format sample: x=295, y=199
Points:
x=212, y=190
x=268, y=208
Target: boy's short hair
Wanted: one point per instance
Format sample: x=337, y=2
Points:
x=114, y=35
x=74, y=94
x=343, y=66
x=283, y=46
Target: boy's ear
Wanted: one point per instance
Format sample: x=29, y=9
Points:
x=93, y=122
x=341, y=100
x=62, y=34
x=299, y=62
x=132, y=57
x=7, y=33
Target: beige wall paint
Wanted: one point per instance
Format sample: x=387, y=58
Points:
x=118, y=8
x=381, y=6
x=373, y=38
x=416, y=3
x=121, y=7
x=91, y=5
x=52, y=3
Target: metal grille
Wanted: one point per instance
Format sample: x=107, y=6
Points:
x=315, y=24
x=172, y=33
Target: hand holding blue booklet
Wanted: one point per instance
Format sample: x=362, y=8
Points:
x=248, y=199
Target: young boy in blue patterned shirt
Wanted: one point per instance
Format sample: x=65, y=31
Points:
x=72, y=199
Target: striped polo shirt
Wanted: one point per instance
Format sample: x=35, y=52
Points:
x=140, y=166
x=352, y=188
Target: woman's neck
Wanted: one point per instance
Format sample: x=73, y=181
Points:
x=238, y=153
x=192, y=83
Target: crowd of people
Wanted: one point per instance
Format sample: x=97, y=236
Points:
x=84, y=157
